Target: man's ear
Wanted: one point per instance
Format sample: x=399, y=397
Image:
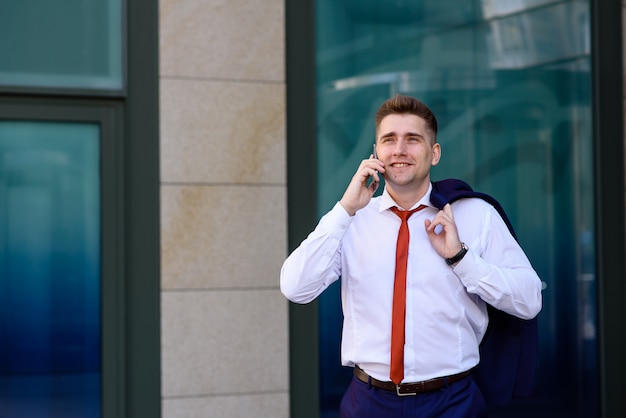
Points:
x=436, y=154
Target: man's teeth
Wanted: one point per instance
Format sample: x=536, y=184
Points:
x=400, y=164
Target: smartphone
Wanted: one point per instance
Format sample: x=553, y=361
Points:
x=372, y=178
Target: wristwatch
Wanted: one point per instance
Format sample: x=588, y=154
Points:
x=459, y=256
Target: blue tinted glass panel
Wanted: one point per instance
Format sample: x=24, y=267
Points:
x=510, y=83
x=50, y=321
x=61, y=44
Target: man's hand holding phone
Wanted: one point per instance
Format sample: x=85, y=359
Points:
x=359, y=192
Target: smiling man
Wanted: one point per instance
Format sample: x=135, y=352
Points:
x=415, y=279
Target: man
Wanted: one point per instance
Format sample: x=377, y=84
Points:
x=433, y=300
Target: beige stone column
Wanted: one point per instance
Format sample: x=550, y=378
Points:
x=223, y=208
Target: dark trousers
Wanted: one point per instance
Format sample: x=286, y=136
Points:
x=461, y=399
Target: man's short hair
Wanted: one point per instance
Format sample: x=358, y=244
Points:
x=401, y=104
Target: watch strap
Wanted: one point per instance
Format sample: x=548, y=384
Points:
x=459, y=256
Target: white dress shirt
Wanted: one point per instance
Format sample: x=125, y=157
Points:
x=446, y=313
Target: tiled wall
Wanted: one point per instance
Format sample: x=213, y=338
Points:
x=223, y=208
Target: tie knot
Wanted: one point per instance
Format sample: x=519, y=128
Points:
x=405, y=214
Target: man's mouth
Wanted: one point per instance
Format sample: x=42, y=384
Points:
x=400, y=164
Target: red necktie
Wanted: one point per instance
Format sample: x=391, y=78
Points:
x=399, y=296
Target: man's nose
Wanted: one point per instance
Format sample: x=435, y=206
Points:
x=400, y=147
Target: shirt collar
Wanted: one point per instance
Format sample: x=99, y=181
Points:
x=386, y=201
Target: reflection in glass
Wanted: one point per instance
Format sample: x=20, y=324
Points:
x=50, y=340
x=510, y=84
x=61, y=44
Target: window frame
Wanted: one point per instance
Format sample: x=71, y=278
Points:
x=301, y=203
x=609, y=184
x=608, y=118
x=108, y=117
x=131, y=305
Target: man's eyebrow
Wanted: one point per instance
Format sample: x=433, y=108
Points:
x=414, y=134
x=392, y=134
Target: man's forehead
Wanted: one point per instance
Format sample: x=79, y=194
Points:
x=401, y=124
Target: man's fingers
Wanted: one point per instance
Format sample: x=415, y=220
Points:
x=431, y=226
x=443, y=219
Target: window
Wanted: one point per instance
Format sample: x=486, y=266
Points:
x=69, y=44
x=78, y=65
x=348, y=64
x=511, y=88
x=50, y=333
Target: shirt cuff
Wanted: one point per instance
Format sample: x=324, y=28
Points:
x=471, y=269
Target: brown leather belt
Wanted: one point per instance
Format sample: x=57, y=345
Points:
x=405, y=389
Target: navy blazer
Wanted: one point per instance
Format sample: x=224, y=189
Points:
x=508, y=351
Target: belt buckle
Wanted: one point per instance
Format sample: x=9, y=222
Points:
x=404, y=394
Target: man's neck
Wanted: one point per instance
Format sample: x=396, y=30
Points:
x=407, y=198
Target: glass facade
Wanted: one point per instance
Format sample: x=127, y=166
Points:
x=510, y=83
x=79, y=209
x=50, y=269
x=67, y=44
